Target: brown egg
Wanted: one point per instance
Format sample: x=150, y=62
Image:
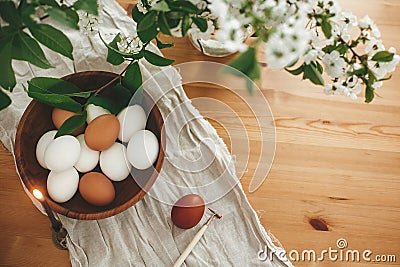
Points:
x=188, y=211
x=96, y=189
x=102, y=132
x=59, y=116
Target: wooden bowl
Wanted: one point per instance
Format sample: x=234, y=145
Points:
x=36, y=120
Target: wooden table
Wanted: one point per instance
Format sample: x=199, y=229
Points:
x=336, y=167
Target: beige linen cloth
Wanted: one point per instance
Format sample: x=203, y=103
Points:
x=144, y=235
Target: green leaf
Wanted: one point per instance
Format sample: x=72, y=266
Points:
x=163, y=24
x=8, y=32
x=49, y=3
x=136, y=14
x=326, y=28
x=249, y=85
x=147, y=27
x=328, y=49
x=90, y=6
x=133, y=77
x=369, y=93
x=27, y=12
x=156, y=59
x=112, y=56
x=122, y=92
x=319, y=67
x=161, y=6
x=354, y=43
x=383, y=56
x=66, y=17
x=184, y=6
x=84, y=94
x=359, y=72
x=244, y=63
x=53, y=39
x=297, y=71
x=147, y=21
x=104, y=102
x=9, y=13
x=175, y=16
x=5, y=100
x=120, y=96
x=48, y=85
x=246, y=66
x=200, y=23
x=342, y=48
x=26, y=48
x=71, y=124
x=55, y=100
x=185, y=24
x=138, y=55
x=7, y=77
x=255, y=71
x=254, y=74
x=371, y=77
x=172, y=23
x=311, y=73
x=162, y=45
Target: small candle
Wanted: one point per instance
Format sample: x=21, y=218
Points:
x=55, y=224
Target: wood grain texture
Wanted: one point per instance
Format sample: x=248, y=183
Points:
x=336, y=166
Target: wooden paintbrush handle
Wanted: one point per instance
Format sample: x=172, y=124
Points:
x=190, y=247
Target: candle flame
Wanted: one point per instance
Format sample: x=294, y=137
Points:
x=37, y=194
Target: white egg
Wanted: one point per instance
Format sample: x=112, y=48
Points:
x=114, y=164
x=88, y=158
x=142, y=149
x=131, y=119
x=62, y=153
x=94, y=111
x=62, y=186
x=41, y=146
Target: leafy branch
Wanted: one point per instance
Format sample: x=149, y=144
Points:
x=359, y=65
x=17, y=44
x=162, y=17
x=287, y=39
x=125, y=88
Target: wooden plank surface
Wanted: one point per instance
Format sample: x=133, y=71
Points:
x=337, y=164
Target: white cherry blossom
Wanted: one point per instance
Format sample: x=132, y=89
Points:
x=382, y=69
x=373, y=46
x=312, y=55
x=367, y=23
x=129, y=44
x=141, y=7
x=334, y=64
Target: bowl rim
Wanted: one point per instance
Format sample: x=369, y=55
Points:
x=57, y=207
